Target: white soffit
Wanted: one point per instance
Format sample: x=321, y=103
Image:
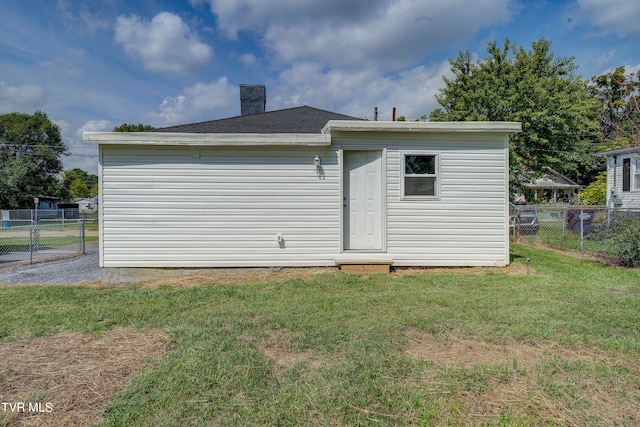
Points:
x=205, y=139
x=430, y=127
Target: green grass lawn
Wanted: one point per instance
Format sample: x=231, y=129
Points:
x=333, y=350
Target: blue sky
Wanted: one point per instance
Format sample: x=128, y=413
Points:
x=93, y=65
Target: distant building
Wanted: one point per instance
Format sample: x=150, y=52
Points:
x=46, y=202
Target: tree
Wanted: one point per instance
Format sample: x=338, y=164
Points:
x=125, y=127
x=618, y=96
x=30, y=158
x=559, y=122
x=77, y=183
x=596, y=192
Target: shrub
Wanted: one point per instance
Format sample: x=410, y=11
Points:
x=596, y=192
x=624, y=238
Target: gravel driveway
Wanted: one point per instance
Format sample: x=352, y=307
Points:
x=68, y=271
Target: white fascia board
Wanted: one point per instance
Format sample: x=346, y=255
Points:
x=429, y=127
x=626, y=150
x=205, y=139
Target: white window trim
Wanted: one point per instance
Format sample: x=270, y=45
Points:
x=635, y=174
x=437, y=175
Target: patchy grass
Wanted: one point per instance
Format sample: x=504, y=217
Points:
x=70, y=377
x=559, y=345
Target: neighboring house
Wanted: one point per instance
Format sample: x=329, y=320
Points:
x=46, y=202
x=87, y=206
x=623, y=177
x=553, y=186
x=305, y=187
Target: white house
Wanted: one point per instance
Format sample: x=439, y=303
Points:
x=401, y=193
x=623, y=177
x=553, y=186
x=87, y=206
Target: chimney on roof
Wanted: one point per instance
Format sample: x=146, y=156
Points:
x=253, y=99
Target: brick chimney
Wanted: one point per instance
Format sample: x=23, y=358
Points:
x=253, y=99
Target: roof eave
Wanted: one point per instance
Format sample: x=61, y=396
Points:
x=625, y=150
x=425, y=127
x=205, y=139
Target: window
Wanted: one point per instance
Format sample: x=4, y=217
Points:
x=626, y=174
x=420, y=175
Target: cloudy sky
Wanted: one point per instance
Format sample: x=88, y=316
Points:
x=95, y=64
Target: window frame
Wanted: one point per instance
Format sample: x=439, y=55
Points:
x=631, y=175
x=436, y=175
x=635, y=174
x=626, y=174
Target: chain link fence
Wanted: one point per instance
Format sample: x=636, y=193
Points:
x=27, y=236
x=588, y=229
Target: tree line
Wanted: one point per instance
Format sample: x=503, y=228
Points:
x=565, y=118
x=565, y=121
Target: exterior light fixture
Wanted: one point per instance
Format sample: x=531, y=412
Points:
x=316, y=162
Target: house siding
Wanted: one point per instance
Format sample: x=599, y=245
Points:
x=223, y=206
x=212, y=207
x=627, y=199
x=467, y=223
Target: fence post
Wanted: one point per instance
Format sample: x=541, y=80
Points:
x=31, y=244
x=82, y=244
x=581, y=231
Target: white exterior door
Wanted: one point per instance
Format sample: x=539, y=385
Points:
x=362, y=200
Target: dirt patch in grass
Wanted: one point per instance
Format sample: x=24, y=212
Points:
x=511, y=269
x=546, y=382
x=70, y=376
x=285, y=274
x=241, y=277
x=279, y=348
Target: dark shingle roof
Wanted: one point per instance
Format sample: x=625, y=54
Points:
x=303, y=119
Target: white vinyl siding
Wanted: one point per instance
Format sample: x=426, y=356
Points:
x=615, y=181
x=207, y=205
x=176, y=207
x=467, y=224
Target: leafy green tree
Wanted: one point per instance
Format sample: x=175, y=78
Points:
x=125, y=127
x=31, y=148
x=596, y=192
x=618, y=95
x=78, y=183
x=559, y=119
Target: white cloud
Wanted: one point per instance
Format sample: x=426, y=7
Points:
x=606, y=57
x=633, y=69
x=25, y=98
x=203, y=97
x=412, y=92
x=248, y=59
x=165, y=44
x=389, y=35
x=80, y=17
x=94, y=126
x=197, y=103
x=63, y=125
x=628, y=69
x=621, y=17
